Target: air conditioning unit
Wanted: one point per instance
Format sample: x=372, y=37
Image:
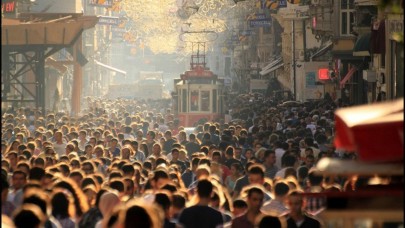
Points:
x=370, y=75
x=315, y=2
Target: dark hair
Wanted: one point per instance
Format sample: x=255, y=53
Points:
x=314, y=179
x=157, y=174
x=288, y=160
x=281, y=189
x=170, y=187
x=252, y=190
x=60, y=205
x=179, y=201
x=117, y=184
x=256, y=169
x=116, y=174
x=204, y=188
x=38, y=198
x=36, y=173
x=268, y=152
x=26, y=214
x=78, y=195
x=239, y=203
x=163, y=200
x=128, y=168
x=88, y=180
x=230, y=151
x=204, y=161
x=137, y=216
x=269, y=221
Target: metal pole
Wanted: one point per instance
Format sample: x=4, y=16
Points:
x=294, y=62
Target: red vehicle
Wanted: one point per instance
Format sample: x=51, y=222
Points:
x=198, y=92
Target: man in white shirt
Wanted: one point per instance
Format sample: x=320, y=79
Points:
x=59, y=146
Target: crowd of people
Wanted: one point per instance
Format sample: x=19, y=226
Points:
x=127, y=163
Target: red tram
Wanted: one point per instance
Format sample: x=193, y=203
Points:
x=198, y=92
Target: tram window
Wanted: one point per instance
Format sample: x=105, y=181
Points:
x=184, y=102
x=214, y=101
x=205, y=101
x=194, y=100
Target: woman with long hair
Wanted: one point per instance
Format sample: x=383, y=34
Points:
x=63, y=207
x=80, y=200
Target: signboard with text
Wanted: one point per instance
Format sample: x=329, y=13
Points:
x=105, y=20
x=310, y=80
x=282, y=3
x=260, y=23
x=101, y=3
x=8, y=6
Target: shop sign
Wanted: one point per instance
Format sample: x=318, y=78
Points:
x=8, y=6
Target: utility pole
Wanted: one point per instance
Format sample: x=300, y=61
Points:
x=294, y=62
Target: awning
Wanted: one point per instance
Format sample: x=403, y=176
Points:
x=110, y=68
x=322, y=50
x=348, y=76
x=270, y=66
x=362, y=45
x=374, y=131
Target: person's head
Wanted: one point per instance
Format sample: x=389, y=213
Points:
x=88, y=167
x=19, y=179
x=204, y=188
x=295, y=202
x=29, y=214
x=229, y=152
x=269, y=157
x=77, y=176
x=139, y=214
x=37, y=174
x=236, y=169
x=175, y=154
x=256, y=174
x=99, y=151
x=39, y=198
x=255, y=196
x=281, y=189
x=62, y=204
x=288, y=160
x=126, y=152
x=150, y=135
x=163, y=199
x=314, y=179
x=309, y=161
x=239, y=207
x=216, y=156
x=156, y=149
x=12, y=157
x=160, y=178
x=108, y=201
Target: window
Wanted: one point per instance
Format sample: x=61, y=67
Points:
x=205, y=101
x=194, y=100
x=346, y=17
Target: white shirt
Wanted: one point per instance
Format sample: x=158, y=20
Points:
x=60, y=148
x=279, y=154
